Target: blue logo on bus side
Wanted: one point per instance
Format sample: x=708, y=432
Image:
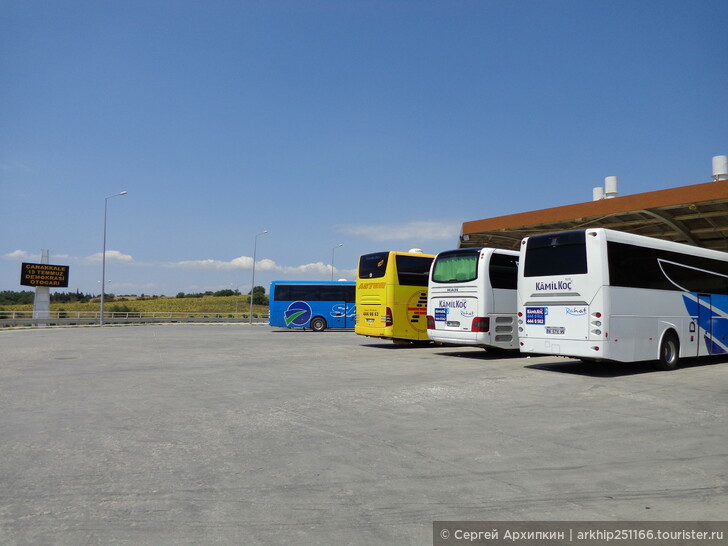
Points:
x=297, y=314
x=710, y=319
x=341, y=309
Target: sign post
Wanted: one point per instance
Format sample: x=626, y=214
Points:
x=42, y=300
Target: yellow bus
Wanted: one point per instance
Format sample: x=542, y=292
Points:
x=391, y=295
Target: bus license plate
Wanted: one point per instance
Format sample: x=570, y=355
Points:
x=558, y=330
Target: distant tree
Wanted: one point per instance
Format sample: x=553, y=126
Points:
x=259, y=297
x=224, y=293
x=70, y=297
x=180, y=295
x=8, y=297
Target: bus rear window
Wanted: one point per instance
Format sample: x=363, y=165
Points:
x=562, y=253
x=373, y=266
x=413, y=270
x=461, y=266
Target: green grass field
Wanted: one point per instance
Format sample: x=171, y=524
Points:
x=205, y=304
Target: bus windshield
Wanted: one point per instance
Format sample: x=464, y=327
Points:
x=562, y=253
x=373, y=266
x=456, y=266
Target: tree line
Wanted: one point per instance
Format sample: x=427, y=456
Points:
x=26, y=297
x=259, y=297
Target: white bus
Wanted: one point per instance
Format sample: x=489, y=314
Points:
x=472, y=298
x=598, y=294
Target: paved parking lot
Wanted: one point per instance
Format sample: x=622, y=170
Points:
x=238, y=434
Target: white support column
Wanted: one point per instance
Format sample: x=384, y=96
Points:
x=42, y=300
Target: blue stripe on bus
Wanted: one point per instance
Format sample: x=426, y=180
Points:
x=711, y=321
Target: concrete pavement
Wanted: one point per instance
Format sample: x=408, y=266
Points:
x=238, y=434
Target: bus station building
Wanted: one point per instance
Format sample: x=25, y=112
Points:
x=695, y=214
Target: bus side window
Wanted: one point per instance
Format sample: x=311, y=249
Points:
x=504, y=271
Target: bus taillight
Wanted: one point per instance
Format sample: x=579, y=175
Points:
x=388, y=317
x=430, y=322
x=480, y=324
x=596, y=323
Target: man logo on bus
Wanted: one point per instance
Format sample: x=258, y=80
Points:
x=297, y=314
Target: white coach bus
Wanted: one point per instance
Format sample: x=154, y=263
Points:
x=472, y=298
x=606, y=295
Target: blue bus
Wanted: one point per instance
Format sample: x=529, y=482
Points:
x=312, y=304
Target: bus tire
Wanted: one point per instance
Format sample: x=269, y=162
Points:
x=669, y=351
x=318, y=324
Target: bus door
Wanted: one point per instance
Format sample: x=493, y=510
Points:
x=705, y=324
x=349, y=315
x=337, y=318
x=343, y=315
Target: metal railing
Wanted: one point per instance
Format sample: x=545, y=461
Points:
x=72, y=318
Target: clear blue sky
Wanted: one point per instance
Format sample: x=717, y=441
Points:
x=375, y=124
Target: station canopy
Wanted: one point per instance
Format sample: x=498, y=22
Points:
x=696, y=215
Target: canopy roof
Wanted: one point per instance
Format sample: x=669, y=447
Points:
x=696, y=215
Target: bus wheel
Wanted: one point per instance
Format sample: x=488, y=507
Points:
x=669, y=351
x=318, y=324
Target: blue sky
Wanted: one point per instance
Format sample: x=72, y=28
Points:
x=374, y=124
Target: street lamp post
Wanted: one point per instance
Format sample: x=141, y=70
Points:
x=252, y=288
x=103, y=257
x=332, y=259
